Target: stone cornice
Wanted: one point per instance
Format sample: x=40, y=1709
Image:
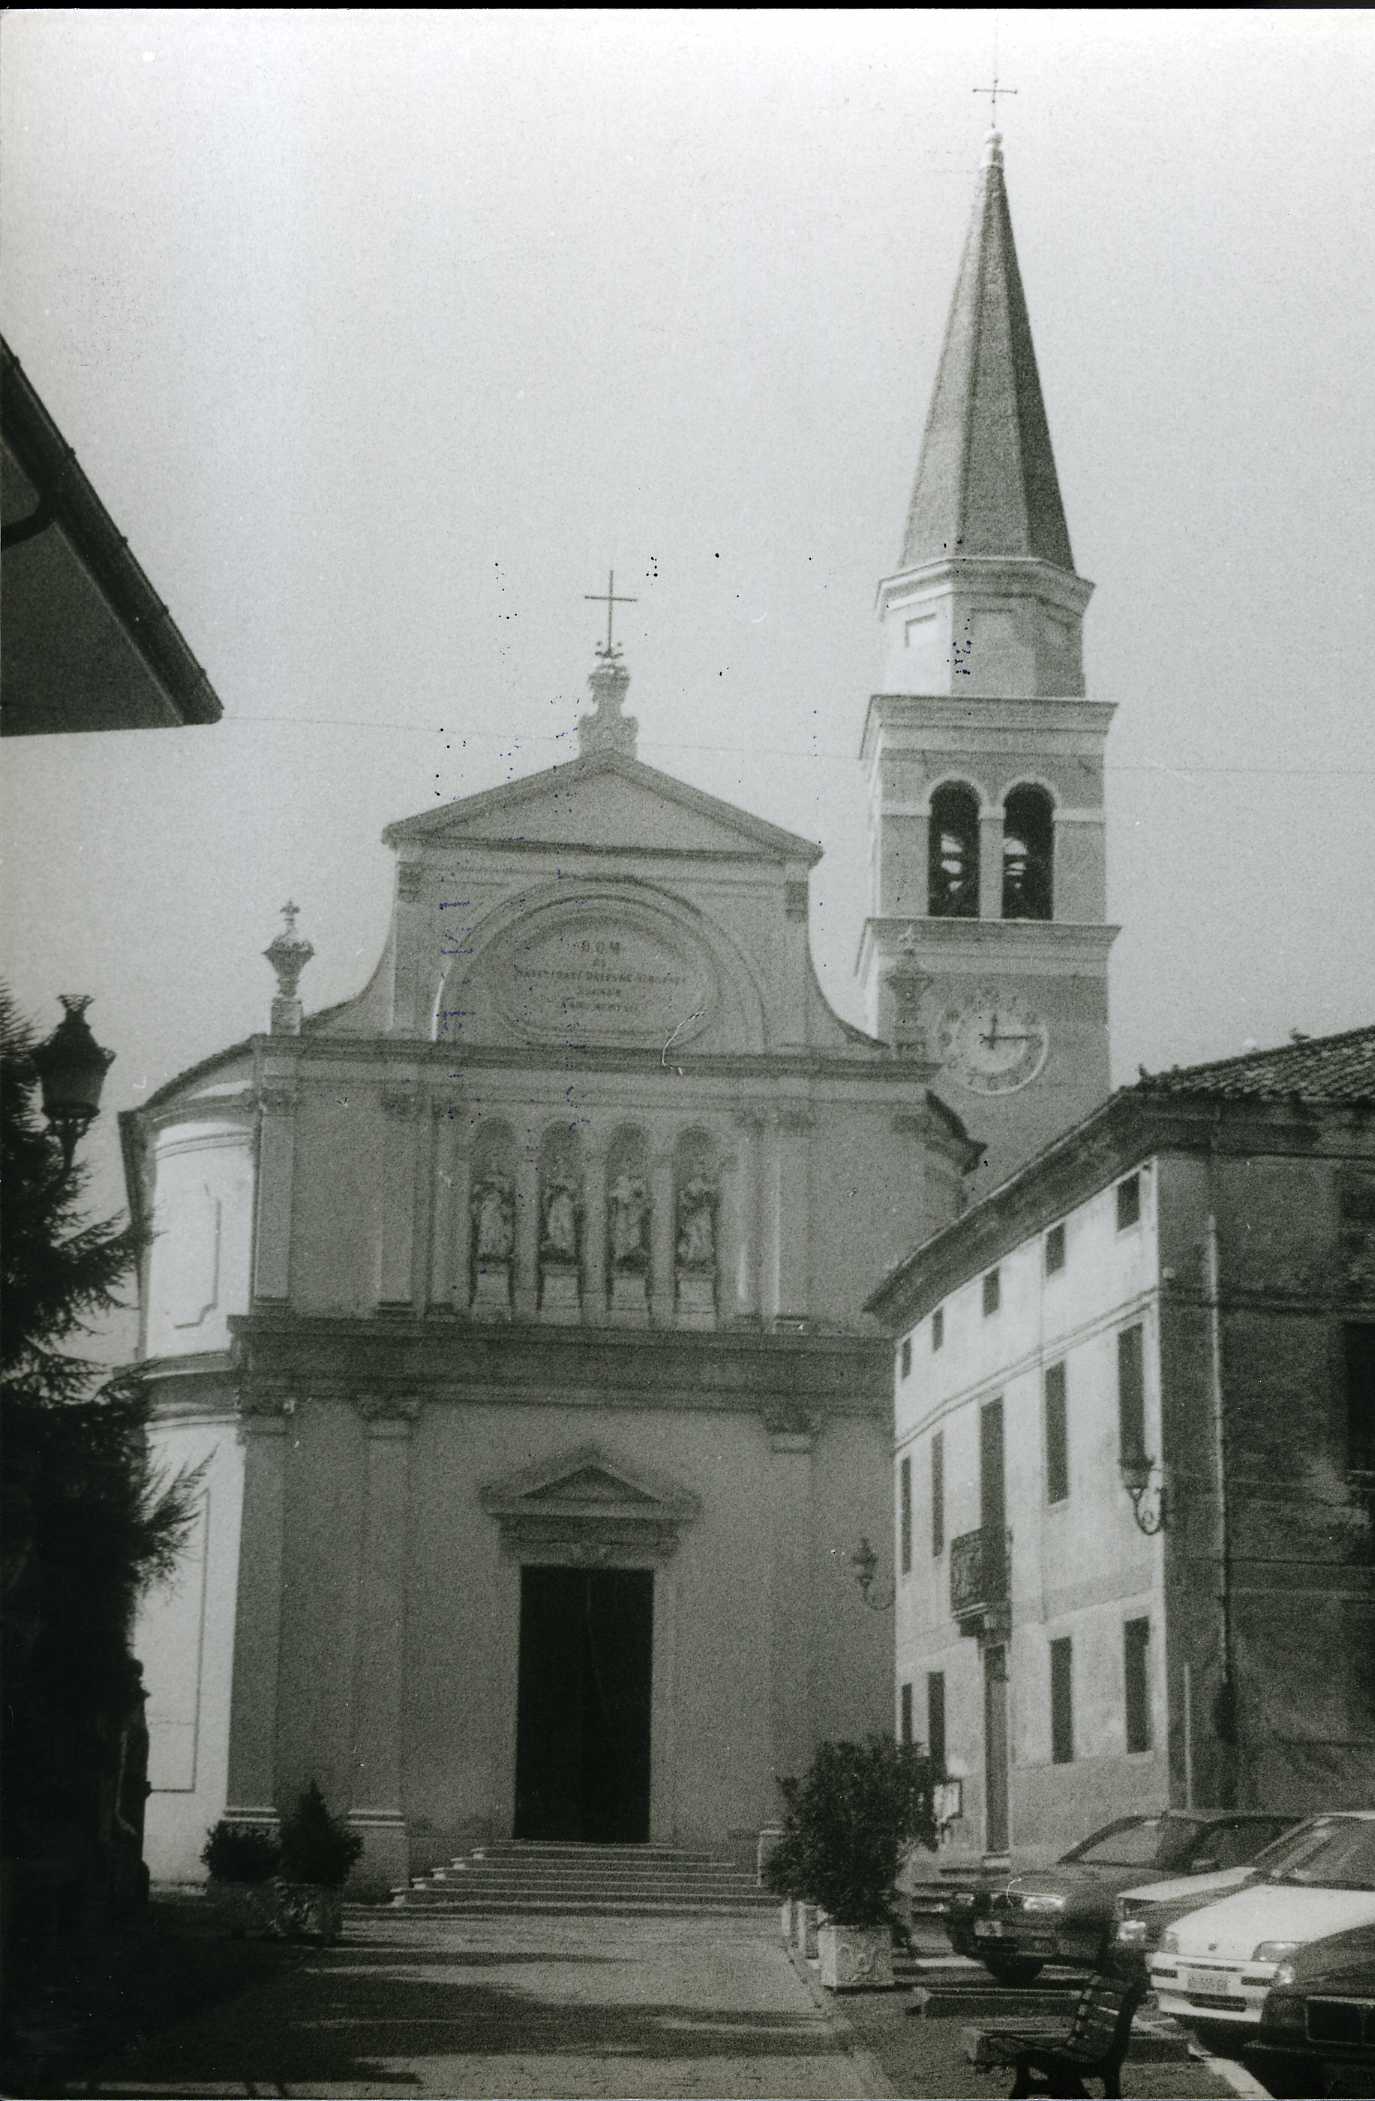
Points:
x=902, y=715
x=1049, y=946
x=532, y=1364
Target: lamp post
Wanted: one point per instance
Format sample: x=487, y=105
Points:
x=71, y=1068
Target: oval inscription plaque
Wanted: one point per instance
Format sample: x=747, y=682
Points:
x=591, y=977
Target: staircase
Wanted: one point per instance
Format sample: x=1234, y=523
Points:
x=531, y=1876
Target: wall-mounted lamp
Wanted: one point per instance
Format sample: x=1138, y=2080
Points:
x=864, y=1562
x=1145, y=1484
x=71, y=1068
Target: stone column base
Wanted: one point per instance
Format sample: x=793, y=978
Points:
x=385, y=1861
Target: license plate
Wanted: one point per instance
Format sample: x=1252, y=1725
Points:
x=989, y=1929
x=1213, y=1984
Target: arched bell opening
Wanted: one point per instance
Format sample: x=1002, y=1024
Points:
x=1028, y=854
x=953, y=854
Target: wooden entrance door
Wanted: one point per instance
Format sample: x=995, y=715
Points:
x=583, y=1711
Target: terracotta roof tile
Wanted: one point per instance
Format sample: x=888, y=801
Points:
x=1316, y=1069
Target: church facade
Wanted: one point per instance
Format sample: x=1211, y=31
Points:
x=515, y=1308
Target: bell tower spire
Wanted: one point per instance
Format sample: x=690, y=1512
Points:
x=987, y=600
x=986, y=947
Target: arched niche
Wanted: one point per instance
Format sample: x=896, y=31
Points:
x=696, y=1227
x=628, y=1223
x=492, y=1200
x=561, y=1222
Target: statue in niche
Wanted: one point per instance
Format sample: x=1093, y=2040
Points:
x=697, y=1224
x=494, y=1219
x=628, y=1222
x=560, y=1242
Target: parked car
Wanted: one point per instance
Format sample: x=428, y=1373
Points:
x=1215, y=1966
x=1142, y=1914
x=1317, y=2021
x=1064, y=1913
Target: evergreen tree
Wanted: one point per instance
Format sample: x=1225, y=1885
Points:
x=87, y=1520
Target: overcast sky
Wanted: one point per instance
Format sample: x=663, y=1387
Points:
x=383, y=336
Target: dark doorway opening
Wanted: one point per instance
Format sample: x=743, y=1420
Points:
x=583, y=1710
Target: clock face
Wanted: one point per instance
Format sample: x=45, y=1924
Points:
x=992, y=1042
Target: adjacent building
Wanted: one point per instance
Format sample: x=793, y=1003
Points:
x=1135, y=1460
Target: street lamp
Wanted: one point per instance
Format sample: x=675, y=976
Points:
x=1147, y=1497
x=71, y=1068
x=864, y=1562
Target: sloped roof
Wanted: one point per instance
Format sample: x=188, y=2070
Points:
x=87, y=642
x=986, y=484
x=1316, y=1069
x=753, y=833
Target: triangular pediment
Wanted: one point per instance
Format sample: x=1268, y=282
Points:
x=604, y=800
x=587, y=1483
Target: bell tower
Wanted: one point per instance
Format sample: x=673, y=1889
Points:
x=986, y=939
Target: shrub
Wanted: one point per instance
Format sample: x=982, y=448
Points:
x=240, y=1852
x=317, y=1847
x=847, y=1824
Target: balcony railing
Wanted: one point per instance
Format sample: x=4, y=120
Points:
x=980, y=1565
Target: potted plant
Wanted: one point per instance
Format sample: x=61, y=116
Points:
x=859, y=1807
x=318, y=1850
x=242, y=1860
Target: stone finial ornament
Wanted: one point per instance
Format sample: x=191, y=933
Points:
x=606, y=729
x=288, y=954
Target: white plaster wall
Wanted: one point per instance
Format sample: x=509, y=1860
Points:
x=198, y=1267
x=184, y=1638
x=1079, y=1568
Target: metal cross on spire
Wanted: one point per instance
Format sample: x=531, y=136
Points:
x=994, y=92
x=609, y=599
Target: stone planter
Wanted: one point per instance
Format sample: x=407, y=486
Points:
x=243, y=1910
x=810, y=1918
x=856, y=1958
x=306, y=1911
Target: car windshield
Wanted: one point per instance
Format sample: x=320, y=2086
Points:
x=1330, y=1853
x=1139, y=1842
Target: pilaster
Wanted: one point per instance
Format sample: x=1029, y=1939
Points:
x=377, y=1810
x=792, y=1437
x=396, y=1255
x=251, y=1790
x=746, y=1198
x=594, y=1234
x=793, y=1228
x=991, y=864
x=277, y=1099
x=662, y=1236
x=527, y=1233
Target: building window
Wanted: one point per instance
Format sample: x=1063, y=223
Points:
x=905, y=1359
x=1136, y=1657
x=1028, y=854
x=938, y=1328
x=1062, y=1701
x=1131, y=1398
x=905, y=1516
x=1055, y=1249
x=1128, y=1202
x=1057, y=1435
x=905, y=1713
x=1360, y=1396
x=993, y=1291
x=935, y=1720
x=938, y=1492
x=952, y=862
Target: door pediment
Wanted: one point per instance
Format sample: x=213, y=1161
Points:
x=587, y=1509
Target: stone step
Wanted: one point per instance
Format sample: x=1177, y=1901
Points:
x=443, y=1903
x=477, y=1877
x=1149, y=2045
x=569, y=1849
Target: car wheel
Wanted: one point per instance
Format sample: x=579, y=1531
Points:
x=1011, y=1969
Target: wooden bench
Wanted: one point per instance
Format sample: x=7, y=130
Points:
x=1092, y=2047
